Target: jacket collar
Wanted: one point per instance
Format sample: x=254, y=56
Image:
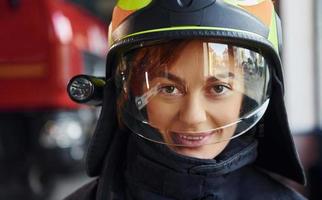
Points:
x=156, y=168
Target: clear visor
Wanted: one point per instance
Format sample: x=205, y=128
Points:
x=192, y=93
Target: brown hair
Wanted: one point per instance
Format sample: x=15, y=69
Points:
x=152, y=59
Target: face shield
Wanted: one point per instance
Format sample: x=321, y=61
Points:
x=191, y=93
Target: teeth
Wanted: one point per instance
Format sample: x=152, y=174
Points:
x=185, y=137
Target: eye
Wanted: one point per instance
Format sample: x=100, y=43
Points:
x=219, y=89
x=170, y=90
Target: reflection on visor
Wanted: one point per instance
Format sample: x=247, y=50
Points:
x=192, y=93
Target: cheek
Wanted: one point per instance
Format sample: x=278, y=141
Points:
x=227, y=110
x=235, y=106
x=160, y=115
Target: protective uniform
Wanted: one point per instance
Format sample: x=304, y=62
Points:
x=149, y=164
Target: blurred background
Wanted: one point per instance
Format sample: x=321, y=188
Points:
x=44, y=135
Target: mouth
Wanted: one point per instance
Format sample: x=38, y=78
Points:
x=193, y=140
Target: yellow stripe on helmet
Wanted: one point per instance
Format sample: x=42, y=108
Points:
x=185, y=28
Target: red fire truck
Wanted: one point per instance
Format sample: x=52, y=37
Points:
x=43, y=43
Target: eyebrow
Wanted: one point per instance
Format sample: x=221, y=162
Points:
x=172, y=77
x=219, y=77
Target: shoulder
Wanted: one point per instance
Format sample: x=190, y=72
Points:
x=260, y=185
x=86, y=192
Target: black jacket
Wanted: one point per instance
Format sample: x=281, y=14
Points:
x=252, y=185
x=137, y=169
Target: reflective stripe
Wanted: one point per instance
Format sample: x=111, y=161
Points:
x=133, y=4
x=109, y=36
x=233, y=2
x=119, y=15
x=244, y=2
x=263, y=11
x=272, y=36
x=249, y=2
x=22, y=71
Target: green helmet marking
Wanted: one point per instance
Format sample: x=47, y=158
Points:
x=132, y=4
x=272, y=36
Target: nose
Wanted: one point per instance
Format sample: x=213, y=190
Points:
x=193, y=111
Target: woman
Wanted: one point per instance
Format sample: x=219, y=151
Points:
x=193, y=108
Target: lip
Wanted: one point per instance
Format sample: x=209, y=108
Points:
x=192, y=140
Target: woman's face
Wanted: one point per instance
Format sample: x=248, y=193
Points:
x=194, y=98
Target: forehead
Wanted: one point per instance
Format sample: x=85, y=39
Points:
x=210, y=59
x=196, y=56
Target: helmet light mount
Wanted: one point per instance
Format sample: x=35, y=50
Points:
x=85, y=89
